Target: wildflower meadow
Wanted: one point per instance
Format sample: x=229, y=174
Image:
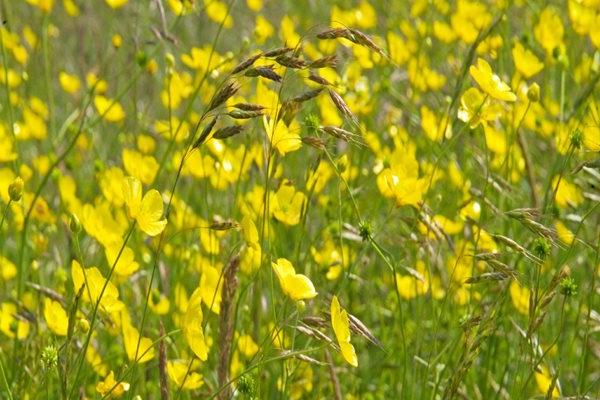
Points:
x=320, y=199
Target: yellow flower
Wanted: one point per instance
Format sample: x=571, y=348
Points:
x=520, y=297
x=94, y=282
x=549, y=31
x=406, y=190
x=95, y=361
x=141, y=353
x=210, y=285
x=287, y=203
x=543, y=379
x=43, y=5
x=435, y=128
x=116, y=3
x=147, y=211
x=475, y=109
x=98, y=84
x=296, y=286
x=109, y=387
x=8, y=270
x=69, y=83
x=7, y=152
x=71, y=8
x=109, y=109
x=111, y=183
x=283, y=138
x=181, y=7
x=410, y=287
x=159, y=303
x=263, y=29
x=564, y=234
x=591, y=128
x=142, y=167
x=178, y=86
x=218, y=12
x=250, y=232
x=525, y=61
x=126, y=264
x=192, y=326
x=254, y=5
x=10, y=325
x=288, y=32
x=56, y=317
x=247, y=345
x=178, y=370
x=567, y=194
x=490, y=82
x=341, y=327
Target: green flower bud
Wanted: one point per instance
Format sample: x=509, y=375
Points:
x=74, y=224
x=533, y=93
x=15, y=189
x=83, y=325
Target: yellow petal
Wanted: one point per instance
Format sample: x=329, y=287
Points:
x=132, y=194
x=349, y=354
x=192, y=326
x=56, y=317
x=341, y=328
x=151, y=210
x=144, y=352
x=299, y=287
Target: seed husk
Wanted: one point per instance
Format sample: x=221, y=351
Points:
x=228, y=131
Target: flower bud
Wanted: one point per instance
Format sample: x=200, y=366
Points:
x=170, y=59
x=74, y=224
x=117, y=41
x=141, y=58
x=83, y=325
x=533, y=93
x=15, y=189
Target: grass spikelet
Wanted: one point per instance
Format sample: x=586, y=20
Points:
x=205, y=132
x=314, y=141
x=228, y=131
x=245, y=64
x=334, y=33
x=306, y=96
x=337, y=133
x=240, y=114
x=324, y=62
x=363, y=39
x=225, y=93
x=486, y=277
x=515, y=246
x=341, y=105
x=265, y=72
x=290, y=62
x=248, y=107
x=319, y=79
x=278, y=52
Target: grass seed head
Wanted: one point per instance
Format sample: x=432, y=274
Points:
x=228, y=131
x=224, y=94
x=245, y=64
x=265, y=72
